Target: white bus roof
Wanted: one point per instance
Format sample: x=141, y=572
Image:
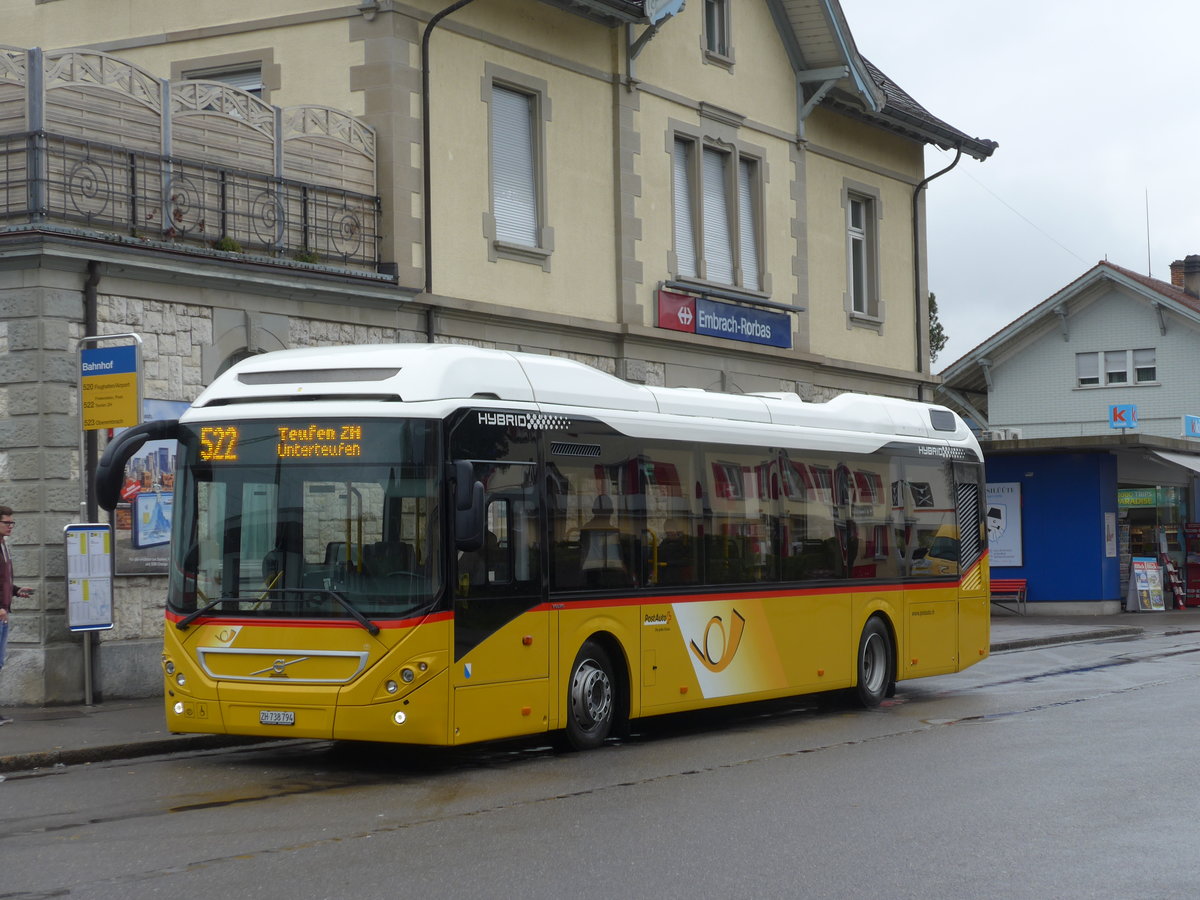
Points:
x=424, y=373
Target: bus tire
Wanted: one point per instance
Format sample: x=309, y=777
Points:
x=592, y=698
x=876, y=667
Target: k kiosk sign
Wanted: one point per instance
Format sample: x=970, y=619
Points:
x=699, y=315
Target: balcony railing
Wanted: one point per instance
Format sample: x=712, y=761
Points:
x=54, y=178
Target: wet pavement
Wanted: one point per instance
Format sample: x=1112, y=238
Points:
x=125, y=729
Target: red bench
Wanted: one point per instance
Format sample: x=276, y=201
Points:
x=1009, y=594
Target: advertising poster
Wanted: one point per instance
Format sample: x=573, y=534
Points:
x=1145, y=586
x=142, y=520
x=1004, y=523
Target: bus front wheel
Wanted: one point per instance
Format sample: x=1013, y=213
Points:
x=876, y=664
x=591, y=698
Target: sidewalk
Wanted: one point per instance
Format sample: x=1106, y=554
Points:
x=125, y=729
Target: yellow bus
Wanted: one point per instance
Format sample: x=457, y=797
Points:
x=439, y=545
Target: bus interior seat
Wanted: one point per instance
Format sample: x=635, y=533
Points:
x=386, y=557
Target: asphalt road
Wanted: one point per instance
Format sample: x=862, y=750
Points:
x=1054, y=772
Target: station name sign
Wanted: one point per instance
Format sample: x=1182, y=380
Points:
x=712, y=318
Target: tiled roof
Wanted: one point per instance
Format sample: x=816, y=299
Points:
x=902, y=113
x=1165, y=288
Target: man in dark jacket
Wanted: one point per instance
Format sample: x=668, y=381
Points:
x=8, y=590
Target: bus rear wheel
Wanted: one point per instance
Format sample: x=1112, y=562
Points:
x=876, y=664
x=591, y=698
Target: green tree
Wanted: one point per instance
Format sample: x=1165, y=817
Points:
x=937, y=334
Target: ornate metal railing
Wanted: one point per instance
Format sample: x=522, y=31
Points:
x=60, y=179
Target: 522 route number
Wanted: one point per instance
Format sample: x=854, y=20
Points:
x=218, y=443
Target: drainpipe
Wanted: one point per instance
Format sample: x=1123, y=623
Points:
x=916, y=226
x=425, y=140
x=91, y=325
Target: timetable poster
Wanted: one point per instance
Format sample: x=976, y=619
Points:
x=89, y=577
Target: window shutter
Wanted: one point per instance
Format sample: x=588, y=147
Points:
x=685, y=229
x=514, y=188
x=1087, y=368
x=718, y=245
x=1144, y=365
x=747, y=235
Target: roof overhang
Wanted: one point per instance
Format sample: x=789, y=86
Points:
x=613, y=12
x=1184, y=460
x=1171, y=450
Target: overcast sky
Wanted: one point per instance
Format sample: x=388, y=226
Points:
x=1094, y=107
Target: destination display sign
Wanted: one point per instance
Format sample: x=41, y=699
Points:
x=222, y=443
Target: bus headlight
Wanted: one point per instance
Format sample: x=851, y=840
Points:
x=169, y=665
x=181, y=679
x=178, y=707
x=399, y=717
x=407, y=675
x=391, y=687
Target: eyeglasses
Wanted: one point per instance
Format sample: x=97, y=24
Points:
x=9, y=523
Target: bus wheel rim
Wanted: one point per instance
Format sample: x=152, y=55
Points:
x=874, y=666
x=591, y=694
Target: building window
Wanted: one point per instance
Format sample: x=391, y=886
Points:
x=862, y=252
x=1144, y=367
x=248, y=79
x=1087, y=368
x=516, y=221
x=1116, y=367
x=716, y=30
x=253, y=71
x=1119, y=365
x=514, y=179
x=716, y=192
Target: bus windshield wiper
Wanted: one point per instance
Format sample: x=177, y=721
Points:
x=362, y=620
x=359, y=617
x=191, y=617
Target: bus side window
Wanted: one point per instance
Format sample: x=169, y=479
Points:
x=489, y=565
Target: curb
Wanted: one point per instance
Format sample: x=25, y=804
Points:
x=46, y=759
x=1074, y=637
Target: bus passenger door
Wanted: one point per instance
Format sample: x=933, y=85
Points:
x=974, y=610
x=501, y=636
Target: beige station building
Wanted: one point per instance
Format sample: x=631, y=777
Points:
x=719, y=194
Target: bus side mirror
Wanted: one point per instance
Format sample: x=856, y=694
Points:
x=110, y=471
x=468, y=507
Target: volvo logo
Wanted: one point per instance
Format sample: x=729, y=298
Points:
x=278, y=667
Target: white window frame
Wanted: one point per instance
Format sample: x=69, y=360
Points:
x=515, y=223
x=717, y=191
x=1116, y=368
x=1144, y=362
x=717, y=37
x=1087, y=369
x=863, y=300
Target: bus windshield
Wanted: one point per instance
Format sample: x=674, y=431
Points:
x=324, y=519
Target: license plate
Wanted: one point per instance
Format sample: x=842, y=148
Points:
x=276, y=717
